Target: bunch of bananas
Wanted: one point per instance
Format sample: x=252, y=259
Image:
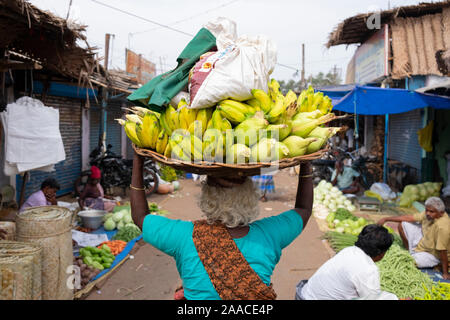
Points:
x=268, y=127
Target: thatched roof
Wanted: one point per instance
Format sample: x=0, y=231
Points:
x=53, y=43
x=354, y=29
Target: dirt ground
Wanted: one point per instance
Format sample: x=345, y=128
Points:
x=152, y=275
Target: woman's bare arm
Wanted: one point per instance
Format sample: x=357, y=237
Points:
x=305, y=192
x=138, y=200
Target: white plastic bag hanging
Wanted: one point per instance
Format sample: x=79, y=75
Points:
x=239, y=65
x=32, y=137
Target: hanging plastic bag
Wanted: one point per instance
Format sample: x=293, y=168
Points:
x=426, y=137
x=239, y=65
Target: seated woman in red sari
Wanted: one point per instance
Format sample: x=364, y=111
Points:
x=93, y=195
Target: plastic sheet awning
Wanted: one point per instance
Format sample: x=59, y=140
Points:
x=367, y=100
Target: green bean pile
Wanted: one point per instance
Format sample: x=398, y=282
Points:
x=400, y=276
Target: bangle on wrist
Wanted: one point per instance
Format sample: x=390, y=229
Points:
x=306, y=176
x=138, y=189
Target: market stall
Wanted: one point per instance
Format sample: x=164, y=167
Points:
x=398, y=271
x=98, y=252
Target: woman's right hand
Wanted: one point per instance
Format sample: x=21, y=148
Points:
x=381, y=221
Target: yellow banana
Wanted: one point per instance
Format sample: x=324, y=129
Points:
x=326, y=106
x=163, y=123
x=231, y=113
x=274, y=88
x=172, y=118
x=242, y=107
x=150, y=130
x=196, y=148
x=290, y=99
x=318, y=97
x=310, y=95
x=196, y=129
x=210, y=124
x=264, y=99
x=121, y=121
x=168, y=150
x=181, y=103
x=277, y=108
x=161, y=144
x=134, y=118
x=131, y=131
x=254, y=103
x=202, y=117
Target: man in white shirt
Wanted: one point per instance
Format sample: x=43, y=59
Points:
x=352, y=273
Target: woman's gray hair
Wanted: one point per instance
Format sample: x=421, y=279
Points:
x=436, y=203
x=234, y=207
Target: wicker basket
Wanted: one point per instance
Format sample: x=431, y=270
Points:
x=23, y=249
x=225, y=169
x=50, y=227
x=10, y=228
x=16, y=277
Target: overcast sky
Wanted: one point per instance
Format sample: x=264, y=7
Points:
x=288, y=23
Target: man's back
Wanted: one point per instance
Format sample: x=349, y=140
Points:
x=350, y=274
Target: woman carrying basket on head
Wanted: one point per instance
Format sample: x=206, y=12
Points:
x=230, y=255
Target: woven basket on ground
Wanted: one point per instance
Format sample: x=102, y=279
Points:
x=226, y=169
x=24, y=249
x=10, y=228
x=50, y=227
x=16, y=277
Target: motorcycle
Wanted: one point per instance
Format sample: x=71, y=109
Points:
x=116, y=172
x=323, y=168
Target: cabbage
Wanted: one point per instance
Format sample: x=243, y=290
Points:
x=340, y=229
x=120, y=225
x=328, y=186
x=127, y=218
x=109, y=224
x=118, y=215
x=347, y=203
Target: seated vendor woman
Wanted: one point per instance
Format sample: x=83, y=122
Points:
x=93, y=196
x=46, y=196
x=230, y=254
x=345, y=178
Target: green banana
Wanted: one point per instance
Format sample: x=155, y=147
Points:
x=277, y=131
x=264, y=99
x=303, y=127
x=248, y=131
x=315, y=146
x=268, y=150
x=308, y=115
x=297, y=145
x=239, y=153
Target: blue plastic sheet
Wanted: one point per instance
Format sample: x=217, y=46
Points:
x=367, y=100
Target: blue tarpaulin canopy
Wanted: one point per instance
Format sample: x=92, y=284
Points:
x=366, y=100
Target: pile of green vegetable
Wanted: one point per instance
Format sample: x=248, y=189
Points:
x=127, y=233
x=344, y=222
x=117, y=220
x=398, y=272
x=419, y=192
x=400, y=276
x=97, y=258
x=168, y=174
